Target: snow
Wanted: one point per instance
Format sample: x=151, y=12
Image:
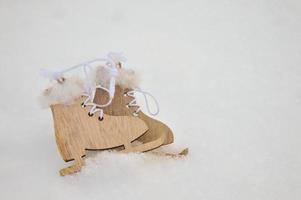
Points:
x=226, y=75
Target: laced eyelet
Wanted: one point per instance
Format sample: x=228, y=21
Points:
x=83, y=105
x=125, y=94
x=135, y=114
x=90, y=114
x=100, y=118
x=127, y=105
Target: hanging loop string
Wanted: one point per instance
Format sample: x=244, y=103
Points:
x=110, y=63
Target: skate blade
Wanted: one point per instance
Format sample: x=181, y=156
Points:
x=183, y=153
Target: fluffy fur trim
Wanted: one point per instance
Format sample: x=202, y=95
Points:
x=65, y=92
x=125, y=78
x=62, y=93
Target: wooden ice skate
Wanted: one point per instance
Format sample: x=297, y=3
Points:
x=158, y=133
x=107, y=119
x=76, y=130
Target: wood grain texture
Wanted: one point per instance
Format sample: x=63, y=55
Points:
x=157, y=134
x=76, y=131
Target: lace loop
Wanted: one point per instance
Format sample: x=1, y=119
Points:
x=134, y=103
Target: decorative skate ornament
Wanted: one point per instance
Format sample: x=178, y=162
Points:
x=100, y=112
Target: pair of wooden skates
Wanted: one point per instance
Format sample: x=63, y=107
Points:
x=83, y=125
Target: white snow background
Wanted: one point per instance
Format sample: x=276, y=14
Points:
x=226, y=74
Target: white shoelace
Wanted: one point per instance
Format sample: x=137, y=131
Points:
x=94, y=108
x=90, y=89
x=134, y=103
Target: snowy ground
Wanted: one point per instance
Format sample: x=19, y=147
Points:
x=226, y=74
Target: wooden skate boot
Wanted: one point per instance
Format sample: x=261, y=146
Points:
x=81, y=126
x=157, y=134
x=124, y=104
